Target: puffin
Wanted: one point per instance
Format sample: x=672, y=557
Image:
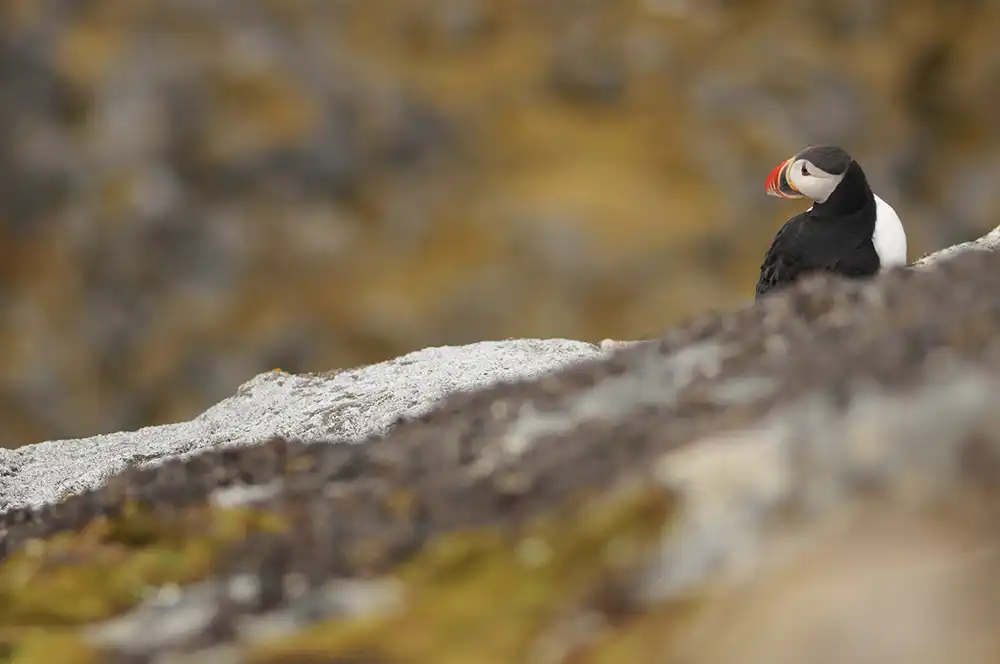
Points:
x=848, y=230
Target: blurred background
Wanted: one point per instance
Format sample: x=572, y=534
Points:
x=196, y=191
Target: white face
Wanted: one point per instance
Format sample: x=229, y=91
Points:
x=811, y=181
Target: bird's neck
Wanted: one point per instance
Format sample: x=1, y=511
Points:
x=852, y=195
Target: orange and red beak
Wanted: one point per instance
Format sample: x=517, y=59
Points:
x=778, y=183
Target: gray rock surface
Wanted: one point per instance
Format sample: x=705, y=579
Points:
x=781, y=468
x=988, y=242
x=346, y=405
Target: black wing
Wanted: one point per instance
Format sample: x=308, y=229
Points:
x=785, y=260
x=803, y=245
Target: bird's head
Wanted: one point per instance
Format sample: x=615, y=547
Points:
x=813, y=173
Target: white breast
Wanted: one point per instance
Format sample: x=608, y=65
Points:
x=889, y=238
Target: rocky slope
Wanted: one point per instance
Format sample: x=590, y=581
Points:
x=192, y=193
x=342, y=405
x=809, y=478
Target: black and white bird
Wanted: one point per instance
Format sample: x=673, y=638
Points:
x=848, y=230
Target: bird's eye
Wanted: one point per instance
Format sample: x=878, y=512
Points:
x=805, y=171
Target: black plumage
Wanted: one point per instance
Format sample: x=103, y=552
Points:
x=833, y=236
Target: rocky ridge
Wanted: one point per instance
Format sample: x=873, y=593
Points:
x=344, y=405
x=659, y=503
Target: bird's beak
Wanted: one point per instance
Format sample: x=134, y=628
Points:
x=778, y=183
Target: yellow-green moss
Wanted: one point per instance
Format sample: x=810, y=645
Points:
x=482, y=597
x=38, y=645
x=74, y=578
x=643, y=637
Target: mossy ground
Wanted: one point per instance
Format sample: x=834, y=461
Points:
x=467, y=595
x=50, y=587
x=487, y=597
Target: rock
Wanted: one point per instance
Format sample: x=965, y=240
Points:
x=819, y=467
x=988, y=242
x=345, y=405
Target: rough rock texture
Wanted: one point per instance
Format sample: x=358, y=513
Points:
x=988, y=242
x=346, y=405
x=811, y=478
x=196, y=192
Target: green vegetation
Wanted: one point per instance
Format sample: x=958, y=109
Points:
x=480, y=596
x=47, y=588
